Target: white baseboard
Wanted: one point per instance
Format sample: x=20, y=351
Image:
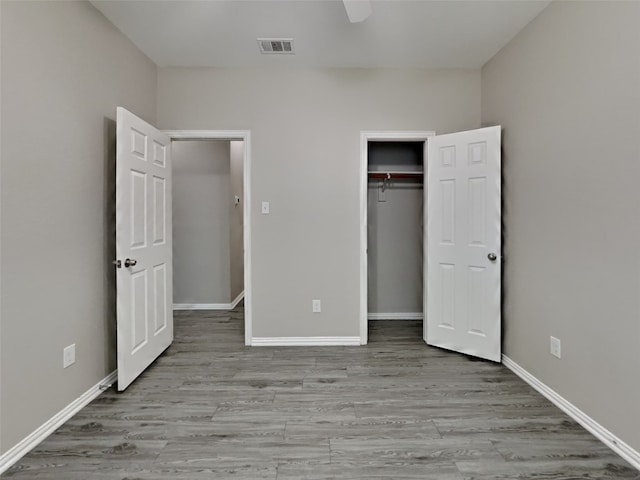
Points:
x=303, y=341
x=202, y=306
x=612, y=441
x=210, y=306
x=396, y=316
x=237, y=300
x=11, y=456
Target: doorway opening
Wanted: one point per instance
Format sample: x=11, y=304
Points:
x=207, y=224
x=392, y=228
x=395, y=213
x=212, y=262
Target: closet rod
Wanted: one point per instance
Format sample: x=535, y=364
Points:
x=390, y=175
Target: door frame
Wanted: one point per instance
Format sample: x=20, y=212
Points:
x=244, y=135
x=365, y=138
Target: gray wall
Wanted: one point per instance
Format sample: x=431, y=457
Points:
x=201, y=218
x=567, y=92
x=65, y=68
x=395, y=231
x=236, y=228
x=305, y=126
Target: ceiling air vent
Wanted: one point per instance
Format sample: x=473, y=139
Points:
x=282, y=46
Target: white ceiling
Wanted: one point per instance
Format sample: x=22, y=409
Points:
x=417, y=33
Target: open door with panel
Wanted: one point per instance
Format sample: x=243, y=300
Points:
x=143, y=245
x=463, y=243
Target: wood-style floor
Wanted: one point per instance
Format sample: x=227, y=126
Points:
x=211, y=408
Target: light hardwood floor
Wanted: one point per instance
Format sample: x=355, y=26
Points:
x=211, y=408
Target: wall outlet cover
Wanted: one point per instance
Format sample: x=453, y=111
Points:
x=555, y=347
x=316, y=306
x=69, y=355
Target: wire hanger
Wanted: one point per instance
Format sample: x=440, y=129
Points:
x=385, y=180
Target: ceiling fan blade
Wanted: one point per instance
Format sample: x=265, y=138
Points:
x=357, y=10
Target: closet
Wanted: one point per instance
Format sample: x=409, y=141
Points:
x=431, y=235
x=395, y=210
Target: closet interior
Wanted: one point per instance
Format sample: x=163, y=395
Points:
x=395, y=230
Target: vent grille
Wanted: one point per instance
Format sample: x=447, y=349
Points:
x=277, y=46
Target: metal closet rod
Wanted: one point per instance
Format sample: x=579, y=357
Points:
x=390, y=175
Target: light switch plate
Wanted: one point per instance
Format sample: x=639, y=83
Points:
x=316, y=306
x=265, y=208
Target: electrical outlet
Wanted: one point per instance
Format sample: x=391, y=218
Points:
x=316, y=307
x=69, y=356
x=555, y=347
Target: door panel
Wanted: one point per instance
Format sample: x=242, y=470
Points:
x=160, y=210
x=463, y=230
x=143, y=245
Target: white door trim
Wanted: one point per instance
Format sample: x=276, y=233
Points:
x=365, y=138
x=233, y=135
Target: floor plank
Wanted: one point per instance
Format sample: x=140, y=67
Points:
x=211, y=407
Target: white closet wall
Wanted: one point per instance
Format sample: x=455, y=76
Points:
x=395, y=232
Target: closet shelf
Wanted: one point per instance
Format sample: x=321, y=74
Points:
x=390, y=175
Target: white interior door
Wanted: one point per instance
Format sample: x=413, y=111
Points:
x=143, y=245
x=463, y=242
